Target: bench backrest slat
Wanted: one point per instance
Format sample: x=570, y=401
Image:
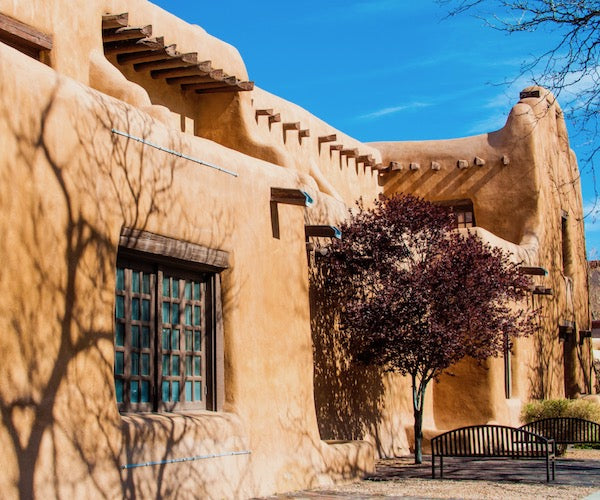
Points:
x=566, y=430
x=490, y=441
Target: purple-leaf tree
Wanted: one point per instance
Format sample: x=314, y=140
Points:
x=416, y=295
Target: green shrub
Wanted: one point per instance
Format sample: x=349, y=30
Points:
x=548, y=408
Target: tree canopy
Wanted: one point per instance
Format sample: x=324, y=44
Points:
x=416, y=296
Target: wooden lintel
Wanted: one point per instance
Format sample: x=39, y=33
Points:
x=322, y=231
x=275, y=118
x=367, y=159
x=291, y=126
x=179, y=61
x=542, y=290
x=291, y=196
x=336, y=147
x=23, y=34
x=264, y=112
x=134, y=46
x=351, y=153
x=149, y=55
x=127, y=33
x=304, y=133
x=327, y=138
x=533, y=270
x=203, y=68
x=113, y=21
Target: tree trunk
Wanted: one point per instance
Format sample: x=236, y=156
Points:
x=418, y=399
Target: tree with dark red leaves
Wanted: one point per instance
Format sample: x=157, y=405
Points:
x=416, y=295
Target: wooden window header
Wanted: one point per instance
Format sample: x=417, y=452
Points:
x=162, y=246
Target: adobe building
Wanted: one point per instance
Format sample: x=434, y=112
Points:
x=155, y=208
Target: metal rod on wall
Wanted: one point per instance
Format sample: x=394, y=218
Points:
x=171, y=151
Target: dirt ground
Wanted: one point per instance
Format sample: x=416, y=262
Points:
x=577, y=477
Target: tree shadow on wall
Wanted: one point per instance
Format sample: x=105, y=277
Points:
x=60, y=247
x=349, y=396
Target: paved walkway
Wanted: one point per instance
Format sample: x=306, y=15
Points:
x=576, y=478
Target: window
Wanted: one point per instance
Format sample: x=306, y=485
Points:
x=463, y=212
x=166, y=333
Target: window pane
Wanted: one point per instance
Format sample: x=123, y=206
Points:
x=120, y=279
x=145, y=364
x=469, y=217
x=145, y=285
x=188, y=365
x=120, y=307
x=119, y=389
x=197, y=315
x=175, y=340
x=197, y=346
x=120, y=334
x=188, y=340
x=135, y=309
x=135, y=363
x=188, y=390
x=175, y=365
x=175, y=287
x=135, y=282
x=166, y=310
x=188, y=290
x=197, y=365
x=165, y=339
x=165, y=391
x=175, y=395
x=197, y=391
x=188, y=314
x=175, y=312
x=145, y=391
x=145, y=336
x=135, y=391
x=165, y=365
x=196, y=291
x=145, y=310
x=135, y=336
x=119, y=363
x=166, y=292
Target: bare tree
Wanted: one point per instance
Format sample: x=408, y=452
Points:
x=568, y=65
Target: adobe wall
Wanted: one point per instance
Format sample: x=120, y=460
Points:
x=528, y=179
x=68, y=188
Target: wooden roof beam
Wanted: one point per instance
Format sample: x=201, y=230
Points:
x=134, y=46
x=350, y=153
x=178, y=61
x=113, y=21
x=149, y=55
x=203, y=68
x=215, y=74
x=127, y=33
x=304, y=133
x=241, y=87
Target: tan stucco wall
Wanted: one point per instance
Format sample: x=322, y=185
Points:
x=529, y=178
x=69, y=186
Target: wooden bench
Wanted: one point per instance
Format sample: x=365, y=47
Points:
x=492, y=441
x=566, y=430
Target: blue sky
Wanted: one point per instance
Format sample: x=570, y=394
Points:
x=383, y=69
